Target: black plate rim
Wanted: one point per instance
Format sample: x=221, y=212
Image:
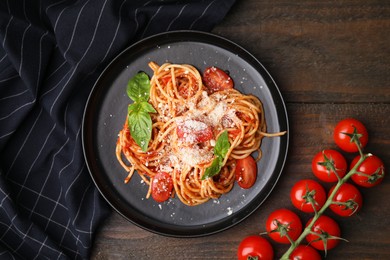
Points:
x=201, y=230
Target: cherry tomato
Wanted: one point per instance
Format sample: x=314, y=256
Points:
x=246, y=172
x=327, y=163
x=255, y=247
x=328, y=230
x=347, y=129
x=307, y=195
x=305, y=253
x=370, y=173
x=194, y=131
x=283, y=222
x=162, y=186
x=216, y=79
x=347, y=201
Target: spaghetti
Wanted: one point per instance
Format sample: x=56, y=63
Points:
x=189, y=120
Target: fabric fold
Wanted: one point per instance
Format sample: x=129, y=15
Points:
x=51, y=54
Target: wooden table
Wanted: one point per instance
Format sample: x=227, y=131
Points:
x=331, y=60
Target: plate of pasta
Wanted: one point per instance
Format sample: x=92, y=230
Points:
x=185, y=134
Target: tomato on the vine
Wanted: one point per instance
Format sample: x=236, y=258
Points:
x=246, y=172
x=328, y=233
x=369, y=173
x=307, y=195
x=255, y=247
x=327, y=163
x=305, y=252
x=347, y=200
x=348, y=132
x=283, y=224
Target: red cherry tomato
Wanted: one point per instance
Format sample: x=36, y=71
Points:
x=194, y=131
x=370, y=173
x=307, y=195
x=305, y=253
x=246, y=172
x=162, y=186
x=327, y=163
x=347, y=128
x=255, y=246
x=283, y=222
x=328, y=230
x=216, y=79
x=347, y=200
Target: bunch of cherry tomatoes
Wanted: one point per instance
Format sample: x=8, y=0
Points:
x=321, y=232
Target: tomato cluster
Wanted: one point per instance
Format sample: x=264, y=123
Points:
x=321, y=232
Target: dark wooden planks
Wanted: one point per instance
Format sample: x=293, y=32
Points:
x=318, y=51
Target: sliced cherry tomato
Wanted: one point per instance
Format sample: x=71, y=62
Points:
x=283, y=223
x=194, y=131
x=255, y=247
x=246, y=172
x=349, y=131
x=328, y=233
x=327, y=163
x=303, y=252
x=369, y=173
x=216, y=79
x=307, y=195
x=347, y=201
x=162, y=186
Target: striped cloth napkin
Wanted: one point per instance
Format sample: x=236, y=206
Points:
x=51, y=53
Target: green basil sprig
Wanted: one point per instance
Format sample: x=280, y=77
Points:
x=221, y=148
x=139, y=120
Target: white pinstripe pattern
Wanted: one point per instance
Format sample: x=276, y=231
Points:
x=68, y=228
x=40, y=59
x=178, y=15
x=42, y=196
x=26, y=105
x=3, y=58
x=22, y=49
x=150, y=21
x=200, y=17
x=74, y=27
x=8, y=79
x=34, y=161
x=77, y=65
x=6, y=30
x=14, y=95
x=44, y=139
x=25, y=140
x=49, y=174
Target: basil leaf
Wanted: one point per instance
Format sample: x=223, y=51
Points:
x=214, y=168
x=222, y=145
x=140, y=124
x=221, y=148
x=139, y=120
x=138, y=87
x=147, y=107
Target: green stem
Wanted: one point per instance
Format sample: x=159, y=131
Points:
x=328, y=202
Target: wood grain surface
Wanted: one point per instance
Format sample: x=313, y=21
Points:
x=331, y=60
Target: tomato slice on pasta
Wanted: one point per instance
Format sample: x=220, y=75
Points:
x=194, y=131
x=162, y=186
x=216, y=79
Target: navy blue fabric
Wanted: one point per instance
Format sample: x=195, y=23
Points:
x=51, y=53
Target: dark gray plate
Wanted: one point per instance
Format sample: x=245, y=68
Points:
x=105, y=114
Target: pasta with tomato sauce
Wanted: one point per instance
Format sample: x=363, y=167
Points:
x=201, y=129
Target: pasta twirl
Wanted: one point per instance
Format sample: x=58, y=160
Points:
x=189, y=120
